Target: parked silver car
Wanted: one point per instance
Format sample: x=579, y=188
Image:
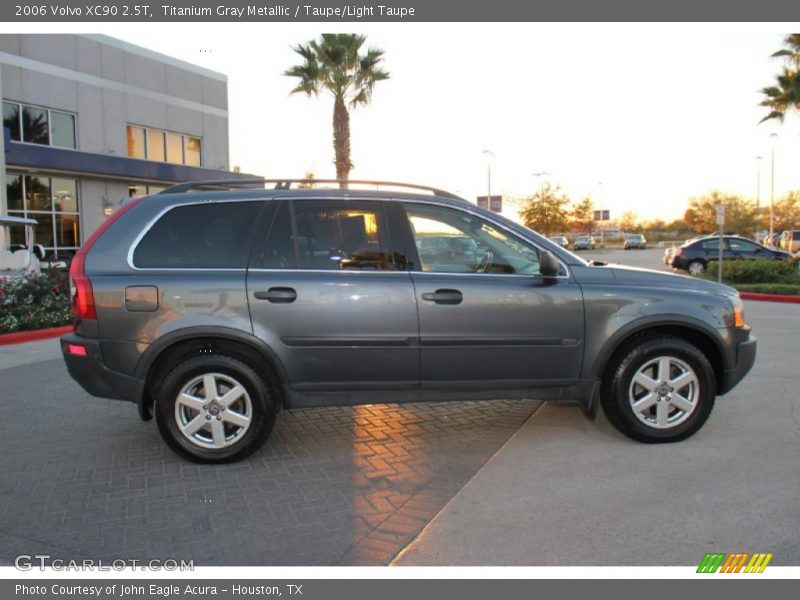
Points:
x=213, y=306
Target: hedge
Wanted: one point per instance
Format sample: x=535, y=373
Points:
x=736, y=272
x=34, y=302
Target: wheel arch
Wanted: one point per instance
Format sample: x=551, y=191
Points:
x=171, y=349
x=695, y=333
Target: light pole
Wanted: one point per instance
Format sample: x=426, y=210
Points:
x=772, y=137
x=540, y=175
x=489, y=155
x=758, y=194
x=600, y=201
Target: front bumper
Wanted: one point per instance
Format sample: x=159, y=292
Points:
x=92, y=374
x=745, y=357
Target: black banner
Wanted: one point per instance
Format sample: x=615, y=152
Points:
x=332, y=11
x=387, y=589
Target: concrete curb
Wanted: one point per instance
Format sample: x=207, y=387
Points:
x=20, y=337
x=770, y=297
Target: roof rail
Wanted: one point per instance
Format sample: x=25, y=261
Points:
x=286, y=184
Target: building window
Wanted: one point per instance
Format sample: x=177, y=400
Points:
x=163, y=146
x=135, y=190
x=37, y=125
x=53, y=203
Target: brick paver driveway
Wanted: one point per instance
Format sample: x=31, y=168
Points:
x=85, y=478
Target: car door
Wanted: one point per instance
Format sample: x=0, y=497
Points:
x=329, y=294
x=487, y=319
x=746, y=250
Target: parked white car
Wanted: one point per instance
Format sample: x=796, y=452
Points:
x=18, y=260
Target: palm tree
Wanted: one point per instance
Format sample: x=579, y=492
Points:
x=333, y=63
x=785, y=96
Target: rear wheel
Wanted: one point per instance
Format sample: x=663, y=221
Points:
x=659, y=390
x=214, y=409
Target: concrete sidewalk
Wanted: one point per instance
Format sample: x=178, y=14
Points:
x=16, y=355
x=563, y=491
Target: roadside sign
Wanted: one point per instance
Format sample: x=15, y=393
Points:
x=602, y=215
x=720, y=214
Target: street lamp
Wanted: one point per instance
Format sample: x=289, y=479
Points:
x=489, y=155
x=758, y=194
x=540, y=175
x=772, y=137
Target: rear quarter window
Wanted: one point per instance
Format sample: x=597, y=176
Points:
x=199, y=236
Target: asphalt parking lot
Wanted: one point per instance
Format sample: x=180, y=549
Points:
x=457, y=483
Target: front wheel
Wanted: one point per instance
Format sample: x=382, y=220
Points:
x=659, y=390
x=214, y=409
x=696, y=267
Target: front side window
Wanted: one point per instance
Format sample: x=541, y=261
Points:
x=450, y=241
x=199, y=236
x=329, y=235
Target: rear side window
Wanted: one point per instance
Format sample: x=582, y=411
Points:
x=199, y=236
x=329, y=235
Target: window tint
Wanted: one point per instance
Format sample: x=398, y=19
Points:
x=710, y=244
x=742, y=246
x=209, y=236
x=449, y=241
x=329, y=235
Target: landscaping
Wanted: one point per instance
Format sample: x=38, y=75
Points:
x=762, y=277
x=33, y=302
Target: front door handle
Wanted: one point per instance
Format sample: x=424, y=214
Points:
x=278, y=295
x=444, y=296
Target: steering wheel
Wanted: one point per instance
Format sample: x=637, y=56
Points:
x=485, y=262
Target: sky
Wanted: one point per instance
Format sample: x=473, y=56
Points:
x=640, y=117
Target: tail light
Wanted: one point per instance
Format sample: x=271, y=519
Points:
x=81, y=293
x=678, y=253
x=81, y=289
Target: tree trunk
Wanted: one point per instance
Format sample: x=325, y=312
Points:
x=341, y=140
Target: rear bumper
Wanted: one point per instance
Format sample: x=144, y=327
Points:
x=745, y=357
x=93, y=376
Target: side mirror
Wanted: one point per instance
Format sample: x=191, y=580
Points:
x=548, y=265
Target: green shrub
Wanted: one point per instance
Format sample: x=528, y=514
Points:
x=34, y=302
x=756, y=271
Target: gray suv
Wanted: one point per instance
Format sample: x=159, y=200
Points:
x=212, y=306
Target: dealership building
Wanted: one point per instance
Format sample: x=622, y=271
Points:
x=89, y=120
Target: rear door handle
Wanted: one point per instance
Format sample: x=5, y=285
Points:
x=278, y=295
x=444, y=296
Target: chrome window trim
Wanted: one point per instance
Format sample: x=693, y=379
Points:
x=285, y=196
x=137, y=240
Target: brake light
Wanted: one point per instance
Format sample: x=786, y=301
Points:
x=81, y=289
x=76, y=350
x=81, y=292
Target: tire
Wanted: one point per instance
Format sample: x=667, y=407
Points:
x=696, y=267
x=651, y=411
x=226, y=426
